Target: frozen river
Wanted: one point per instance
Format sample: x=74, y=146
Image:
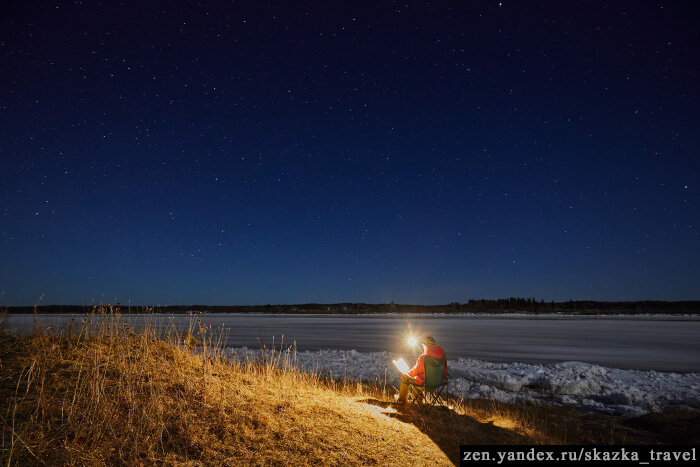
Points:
x=667, y=343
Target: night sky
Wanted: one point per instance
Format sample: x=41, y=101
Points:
x=289, y=152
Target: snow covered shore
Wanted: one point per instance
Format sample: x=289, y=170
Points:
x=576, y=384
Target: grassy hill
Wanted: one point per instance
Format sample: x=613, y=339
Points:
x=107, y=394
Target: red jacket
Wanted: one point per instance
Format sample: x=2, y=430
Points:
x=418, y=370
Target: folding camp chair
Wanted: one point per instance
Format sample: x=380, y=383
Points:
x=430, y=392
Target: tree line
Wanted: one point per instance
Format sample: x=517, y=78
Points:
x=501, y=305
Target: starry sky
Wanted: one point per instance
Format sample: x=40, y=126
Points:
x=171, y=152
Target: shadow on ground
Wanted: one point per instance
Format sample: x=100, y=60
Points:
x=448, y=429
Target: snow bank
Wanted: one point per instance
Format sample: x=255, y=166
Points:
x=581, y=385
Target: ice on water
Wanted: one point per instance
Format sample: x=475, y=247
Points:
x=582, y=385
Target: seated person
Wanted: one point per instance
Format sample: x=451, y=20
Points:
x=417, y=373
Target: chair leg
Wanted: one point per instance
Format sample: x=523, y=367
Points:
x=416, y=393
x=433, y=399
x=436, y=397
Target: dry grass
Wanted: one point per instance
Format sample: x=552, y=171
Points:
x=106, y=394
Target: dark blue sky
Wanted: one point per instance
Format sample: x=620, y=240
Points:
x=250, y=153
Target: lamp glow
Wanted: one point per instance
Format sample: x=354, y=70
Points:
x=412, y=341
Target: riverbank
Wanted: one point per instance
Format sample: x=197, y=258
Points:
x=110, y=394
x=472, y=307
x=582, y=386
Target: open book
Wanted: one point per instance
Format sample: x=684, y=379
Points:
x=401, y=365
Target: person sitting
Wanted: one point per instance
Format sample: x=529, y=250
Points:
x=416, y=375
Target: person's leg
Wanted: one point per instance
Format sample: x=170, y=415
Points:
x=403, y=390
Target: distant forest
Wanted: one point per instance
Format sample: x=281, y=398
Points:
x=503, y=305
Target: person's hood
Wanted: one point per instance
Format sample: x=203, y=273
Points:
x=435, y=351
